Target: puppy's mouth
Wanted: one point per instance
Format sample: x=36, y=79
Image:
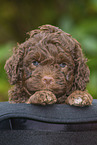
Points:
x=56, y=91
x=47, y=83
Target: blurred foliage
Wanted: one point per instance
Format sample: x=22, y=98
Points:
x=4, y=85
x=76, y=17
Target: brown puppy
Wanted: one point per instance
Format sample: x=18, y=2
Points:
x=48, y=68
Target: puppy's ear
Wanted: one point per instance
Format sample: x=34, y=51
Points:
x=81, y=69
x=13, y=66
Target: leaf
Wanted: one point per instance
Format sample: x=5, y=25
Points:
x=5, y=51
x=92, y=86
x=90, y=45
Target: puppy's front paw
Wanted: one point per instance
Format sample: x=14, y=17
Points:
x=79, y=98
x=43, y=98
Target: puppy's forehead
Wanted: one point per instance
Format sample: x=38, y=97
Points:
x=48, y=46
x=49, y=50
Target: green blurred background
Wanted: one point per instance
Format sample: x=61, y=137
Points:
x=77, y=17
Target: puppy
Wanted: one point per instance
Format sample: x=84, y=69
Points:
x=48, y=68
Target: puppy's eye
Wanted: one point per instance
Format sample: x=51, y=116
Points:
x=62, y=65
x=36, y=63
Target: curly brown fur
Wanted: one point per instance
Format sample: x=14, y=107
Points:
x=50, y=60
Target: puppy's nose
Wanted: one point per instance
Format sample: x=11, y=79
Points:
x=47, y=80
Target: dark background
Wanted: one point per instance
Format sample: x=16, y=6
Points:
x=77, y=17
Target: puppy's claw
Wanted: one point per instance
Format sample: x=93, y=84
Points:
x=79, y=98
x=42, y=98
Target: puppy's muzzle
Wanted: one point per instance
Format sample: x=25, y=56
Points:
x=47, y=80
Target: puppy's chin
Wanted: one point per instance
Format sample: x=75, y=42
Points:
x=58, y=89
x=57, y=92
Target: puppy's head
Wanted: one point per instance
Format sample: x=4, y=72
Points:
x=49, y=60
